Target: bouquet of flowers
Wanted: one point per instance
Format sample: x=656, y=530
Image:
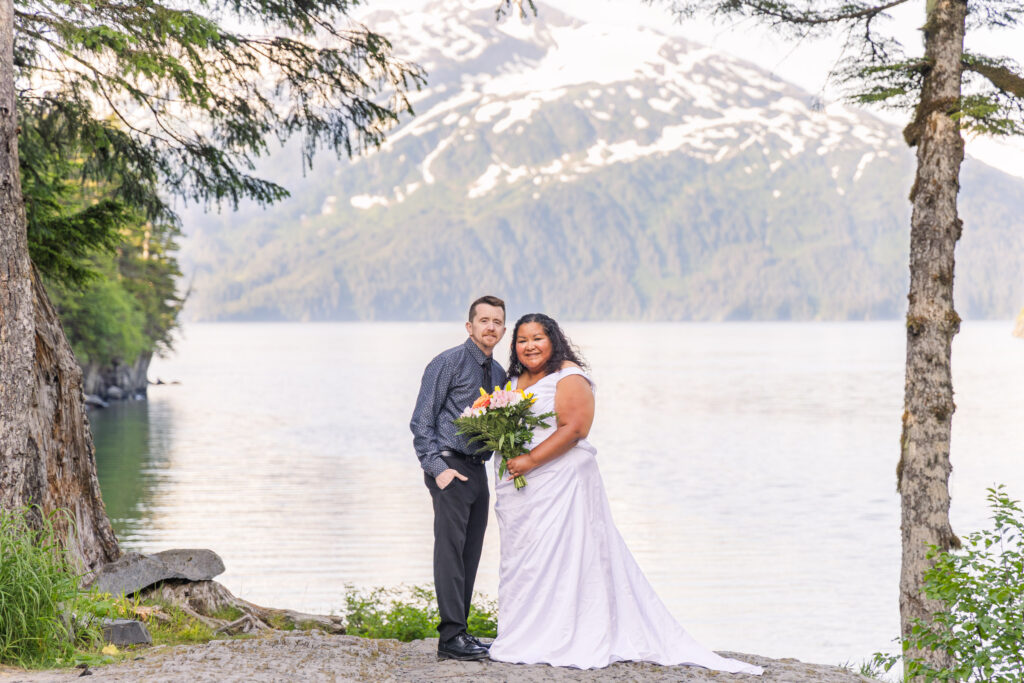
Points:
x=501, y=421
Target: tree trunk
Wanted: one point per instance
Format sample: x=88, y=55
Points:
x=924, y=468
x=46, y=450
x=17, y=327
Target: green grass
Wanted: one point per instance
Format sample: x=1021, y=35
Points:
x=47, y=621
x=227, y=613
x=38, y=593
x=868, y=669
x=280, y=622
x=408, y=614
x=179, y=629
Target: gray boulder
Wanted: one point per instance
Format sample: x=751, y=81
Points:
x=126, y=632
x=192, y=564
x=115, y=392
x=133, y=572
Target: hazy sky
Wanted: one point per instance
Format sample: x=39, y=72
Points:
x=807, y=64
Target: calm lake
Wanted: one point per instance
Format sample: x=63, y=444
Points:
x=751, y=467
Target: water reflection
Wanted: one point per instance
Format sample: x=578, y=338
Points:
x=124, y=461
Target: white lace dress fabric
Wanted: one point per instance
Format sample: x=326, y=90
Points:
x=570, y=593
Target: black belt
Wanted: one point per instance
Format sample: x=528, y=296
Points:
x=473, y=459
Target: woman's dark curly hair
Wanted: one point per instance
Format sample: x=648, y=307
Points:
x=561, y=348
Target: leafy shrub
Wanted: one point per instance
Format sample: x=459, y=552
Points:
x=38, y=586
x=408, y=614
x=982, y=589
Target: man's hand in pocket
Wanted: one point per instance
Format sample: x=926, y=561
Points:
x=446, y=477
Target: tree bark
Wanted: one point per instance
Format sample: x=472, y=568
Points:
x=924, y=467
x=17, y=328
x=46, y=449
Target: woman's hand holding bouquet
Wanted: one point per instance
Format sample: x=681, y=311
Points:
x=502, y=422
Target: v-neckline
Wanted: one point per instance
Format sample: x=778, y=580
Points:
x=550, y=374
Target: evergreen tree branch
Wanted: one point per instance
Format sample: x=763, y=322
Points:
x=199, y=101
x=783, y=12
x=1002, y=77
x=989, y=14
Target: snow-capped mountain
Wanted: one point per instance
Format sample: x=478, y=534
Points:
x=597, y=171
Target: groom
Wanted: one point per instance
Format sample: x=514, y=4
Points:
x=454, y=470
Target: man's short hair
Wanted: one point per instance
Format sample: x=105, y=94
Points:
x=490, y=301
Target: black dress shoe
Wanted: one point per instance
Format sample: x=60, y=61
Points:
x=462, y=647
x=484, y=645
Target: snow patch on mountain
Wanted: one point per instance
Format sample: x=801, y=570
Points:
x=366, y=201
x=644, y=93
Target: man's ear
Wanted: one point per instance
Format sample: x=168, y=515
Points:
x=469, y=328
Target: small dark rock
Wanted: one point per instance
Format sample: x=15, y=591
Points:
x=126, y=632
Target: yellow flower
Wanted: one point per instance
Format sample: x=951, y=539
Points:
x=482, y=392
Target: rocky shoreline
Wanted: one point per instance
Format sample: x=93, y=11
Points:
x=116, y=382
x=315, y=656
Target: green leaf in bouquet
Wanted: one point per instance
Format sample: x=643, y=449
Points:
x=502, y=468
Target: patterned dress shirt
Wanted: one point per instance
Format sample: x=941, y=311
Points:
x=451, y=382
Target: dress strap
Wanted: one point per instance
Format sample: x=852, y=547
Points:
x=573, y=370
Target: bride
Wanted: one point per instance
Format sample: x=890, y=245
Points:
x=570, y=593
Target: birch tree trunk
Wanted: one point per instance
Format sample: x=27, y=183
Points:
x=924, y=467
x=46, y=449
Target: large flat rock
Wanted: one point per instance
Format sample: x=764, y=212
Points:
x=133, y=572
x=193, y=564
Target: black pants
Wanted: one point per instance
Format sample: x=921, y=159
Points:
x=460, y=519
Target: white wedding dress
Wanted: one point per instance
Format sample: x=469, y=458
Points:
x=570, y=592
